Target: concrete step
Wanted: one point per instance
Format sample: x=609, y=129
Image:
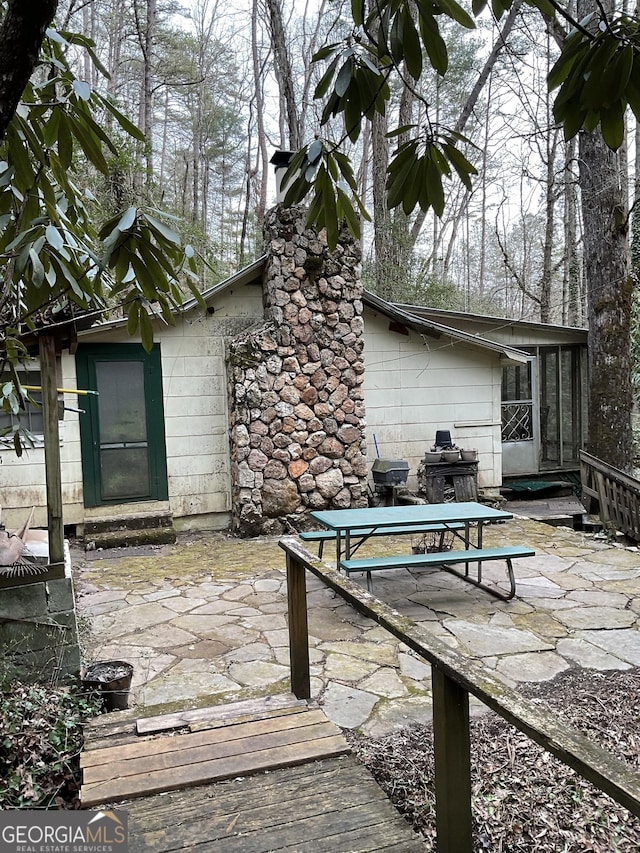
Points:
x=122, y=531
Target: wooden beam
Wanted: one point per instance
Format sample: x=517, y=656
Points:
x=452, y=753
x=47, y=351
x=298, y=628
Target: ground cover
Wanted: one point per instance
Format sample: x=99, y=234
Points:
x=40, y=744
x=525, y=800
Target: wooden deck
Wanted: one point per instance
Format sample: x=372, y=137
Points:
x=252, y=777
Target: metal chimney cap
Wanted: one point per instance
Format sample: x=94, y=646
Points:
x=282, y=158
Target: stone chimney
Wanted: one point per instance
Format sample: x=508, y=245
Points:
x=297, y=419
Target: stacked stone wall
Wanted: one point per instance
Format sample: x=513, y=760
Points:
x=297, y=417
x=38, y=632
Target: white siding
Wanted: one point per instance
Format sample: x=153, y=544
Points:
x=415, y=386
x=22, y=479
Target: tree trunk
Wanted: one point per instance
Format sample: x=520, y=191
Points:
x=21, y=33
x=606, y=264
x=572, y=303
x=283, y=72
x=262, y=156
x=546, y=279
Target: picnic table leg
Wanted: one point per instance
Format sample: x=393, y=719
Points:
x=452, y=752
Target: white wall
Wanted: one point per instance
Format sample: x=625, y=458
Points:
x=22, y=479
x=415, y=386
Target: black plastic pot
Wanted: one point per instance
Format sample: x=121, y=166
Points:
x=112, y=679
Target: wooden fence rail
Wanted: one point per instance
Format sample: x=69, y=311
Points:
x=454, y=677
x=617, y=493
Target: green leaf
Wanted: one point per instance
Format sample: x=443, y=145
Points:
x=414, y=188
x=133, y=317
x=544, y=6
x=314, y=151
x=344, y=77
x=37, y=268
x=146, y=330
x=633, y=89
x=330, y=214
x=325, y=81
x=82, y=89
x=433, y=179
x=325, y=52
x=346, y=211
x=123, y=121
x=612, y=124
x=596, y=87
x=396, y=38
x=412, y=46
x=127, y=219
x=460, y=163
x=357, y=12
x=453, y=10
x=89, y=145
x=573, y=120
x=434, y=43
x=572, y=52
x=401, y=174
x=65, y=141
x=353, y=116
x=163, y=230
x=54, y=237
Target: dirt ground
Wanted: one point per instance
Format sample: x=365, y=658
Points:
x=525, y=800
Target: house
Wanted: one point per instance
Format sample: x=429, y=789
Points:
x=279, y=395
x=544, y=402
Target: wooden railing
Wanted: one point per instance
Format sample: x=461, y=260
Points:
x=454, y=677
x=617, y=493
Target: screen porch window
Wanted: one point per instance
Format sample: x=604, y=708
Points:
x=517, y=403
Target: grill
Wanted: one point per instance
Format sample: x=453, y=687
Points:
x=390, y=472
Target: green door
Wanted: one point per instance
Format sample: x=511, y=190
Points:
x=122, y=429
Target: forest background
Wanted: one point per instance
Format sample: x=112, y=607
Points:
x=216, y=88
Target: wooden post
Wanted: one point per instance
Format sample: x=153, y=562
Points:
x=452, y=751
x=298, y=628
x=47, y=347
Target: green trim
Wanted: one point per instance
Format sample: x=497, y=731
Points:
x=86, y=358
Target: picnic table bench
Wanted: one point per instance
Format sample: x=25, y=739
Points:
x=446, y=560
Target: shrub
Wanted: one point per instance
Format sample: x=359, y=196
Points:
x=40, y=743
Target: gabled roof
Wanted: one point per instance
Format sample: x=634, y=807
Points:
x=445, y=316
x=423, y=326
x=401, y=315
x=246, y=275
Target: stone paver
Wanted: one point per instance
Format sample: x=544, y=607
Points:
x=204, y=621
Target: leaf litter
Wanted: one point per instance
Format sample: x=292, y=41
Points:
x=524, y=800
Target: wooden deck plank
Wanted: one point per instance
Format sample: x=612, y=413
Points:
x=203, y=827
x=341, y=809
x=201, y=725
x=181, y=742
x=207, y=771
x=230, y=796
x=178, y=759
x=245, y=707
